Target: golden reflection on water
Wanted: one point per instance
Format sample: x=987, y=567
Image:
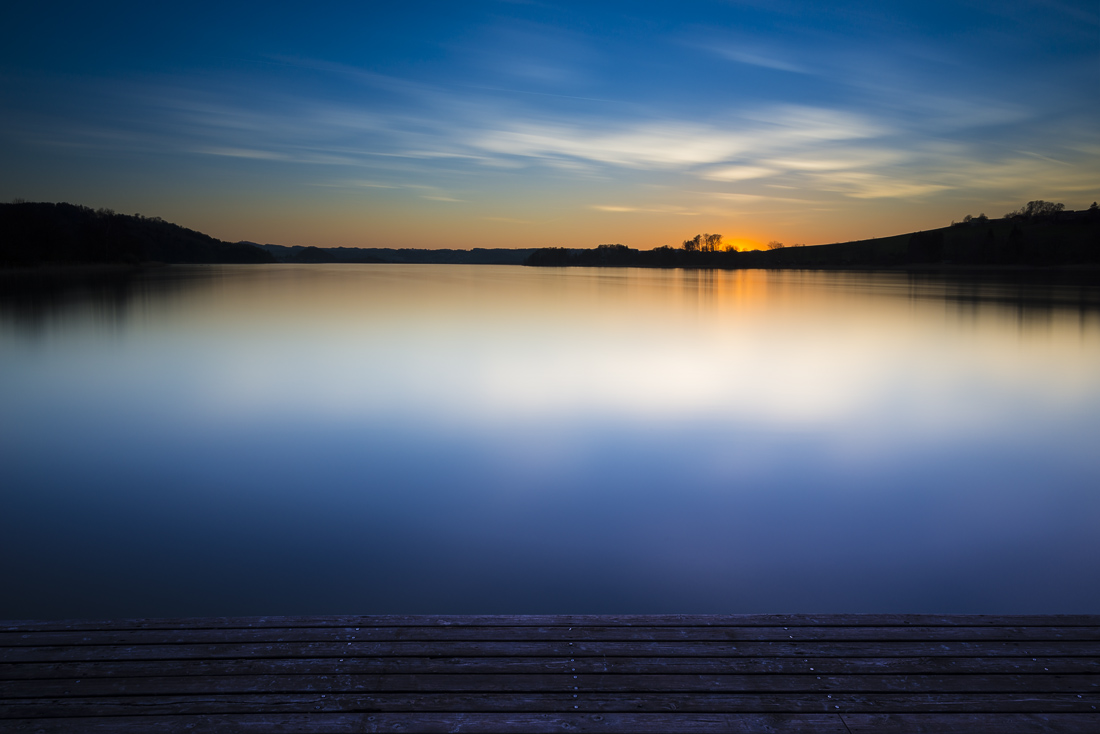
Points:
x=545, y=340
x=477, y=345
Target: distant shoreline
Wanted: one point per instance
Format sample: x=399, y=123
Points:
x=43, y=238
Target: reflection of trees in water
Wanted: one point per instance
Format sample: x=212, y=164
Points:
x=1026, y=291
x=1033, y=299
x=34, y=301
x=699, y=287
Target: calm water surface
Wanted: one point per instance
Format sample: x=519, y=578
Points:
x=372, y=439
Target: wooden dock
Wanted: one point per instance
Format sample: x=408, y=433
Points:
x=848, y=674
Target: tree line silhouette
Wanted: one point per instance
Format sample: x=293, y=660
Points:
x=1038, y=234
x=64, y=234
x=706, y=243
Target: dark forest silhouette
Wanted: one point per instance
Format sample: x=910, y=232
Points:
x=1039, y=234
x=46, y=234
x=66, y=234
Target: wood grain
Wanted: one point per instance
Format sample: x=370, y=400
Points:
x=848, y=674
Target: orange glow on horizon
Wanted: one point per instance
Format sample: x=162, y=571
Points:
x=743, y=244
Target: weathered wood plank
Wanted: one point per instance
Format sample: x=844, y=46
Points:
x=554, y=723
x=429, y=723
x=501, y=674
x=790, y=648
x=503, y=634
x=571, y=620
x=971, y=723
x=506, y=665
x=548, y=703
x=191, y=685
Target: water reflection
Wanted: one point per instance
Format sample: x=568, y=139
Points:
x=34, y=302
x=322, y=439
x=31, y=301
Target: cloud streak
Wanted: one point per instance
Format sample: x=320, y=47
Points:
x=520, y=114
x=852, y=154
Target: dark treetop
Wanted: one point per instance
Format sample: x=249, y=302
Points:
x=64, y=234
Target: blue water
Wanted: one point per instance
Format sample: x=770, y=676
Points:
x=456, y=439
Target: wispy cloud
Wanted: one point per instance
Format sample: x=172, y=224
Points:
x=754, y=198
x=863, y=185
x=612, y=209
x=758, y=58
x=531, y=117
x=244, y=153
x=834, y=150
x=737, y=173
x=678, y=143
x=851, y=154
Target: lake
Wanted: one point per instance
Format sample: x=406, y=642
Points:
x=314, y=439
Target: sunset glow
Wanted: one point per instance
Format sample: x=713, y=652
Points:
x=506, y=124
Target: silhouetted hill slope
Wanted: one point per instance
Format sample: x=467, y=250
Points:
x=1063, y=239
x=42, y=233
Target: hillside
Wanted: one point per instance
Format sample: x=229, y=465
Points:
x=66, y=234
x=1067, y=238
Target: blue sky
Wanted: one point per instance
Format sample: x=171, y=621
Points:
x=505, y=124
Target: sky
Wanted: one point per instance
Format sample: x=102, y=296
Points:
x=535, y=124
